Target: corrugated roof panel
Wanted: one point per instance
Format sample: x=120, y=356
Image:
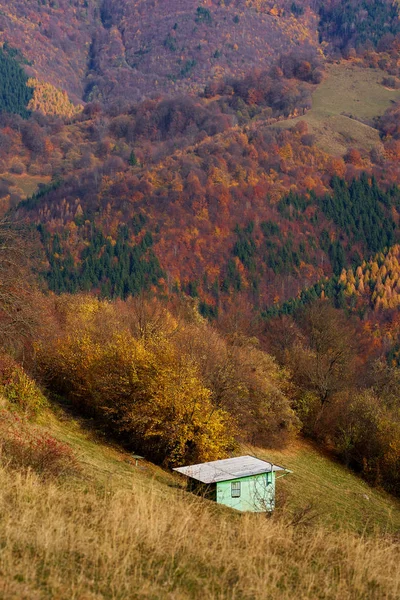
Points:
x=228, y=468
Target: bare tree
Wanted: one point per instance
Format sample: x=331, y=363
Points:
x=324, y=361
x=18, y=315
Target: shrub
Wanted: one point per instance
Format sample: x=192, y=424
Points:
x=391, y=82
x=366, y=436
x=18, y=168
x=19, y=389
x=24, y=446
x=203, y=15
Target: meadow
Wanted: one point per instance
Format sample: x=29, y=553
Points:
x=344, y=107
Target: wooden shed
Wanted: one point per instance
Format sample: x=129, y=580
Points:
x=245, y=483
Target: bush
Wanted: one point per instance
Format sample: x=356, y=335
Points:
x=18, y=168
x=366, y=436
x=19, y=389
x=244, y=381
x=26, y=447
x=391, y=82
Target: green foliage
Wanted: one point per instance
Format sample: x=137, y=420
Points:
x=138, y=223
x=355, y=23
x=14, y=92
x=294, y=204
x=208, y=311
x=335, y=251
x=170, y=43
x=245, y=247
x=44, y=189
x=393, y=356
x=269, y=228
x=278, y=256
x=187, y=68
x=116, y=270
x=132, y=159
x=332, y=288
x=15, y=53
x=232, y=279
x=297, y=9
x=192, y=289
x=357, y=209
x=281, y=259
x=203, y=15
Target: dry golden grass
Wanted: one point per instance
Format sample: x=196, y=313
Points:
x=86, y=541
x=338, y=497
x=345, y=106
x=27, y=185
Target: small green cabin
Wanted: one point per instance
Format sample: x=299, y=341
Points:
x=245, y=483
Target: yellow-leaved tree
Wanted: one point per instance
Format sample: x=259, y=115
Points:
x=143, y=391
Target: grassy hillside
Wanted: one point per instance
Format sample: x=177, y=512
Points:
x=345, y=106
x=335, y=496
x=121, y=531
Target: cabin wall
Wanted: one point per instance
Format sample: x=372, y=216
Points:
x=205, y=490
x=257, y=493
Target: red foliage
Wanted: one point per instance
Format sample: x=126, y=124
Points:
x=23, y=446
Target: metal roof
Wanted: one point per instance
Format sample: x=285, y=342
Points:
x=228, y=468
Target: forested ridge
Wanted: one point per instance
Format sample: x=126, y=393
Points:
x=95, y=51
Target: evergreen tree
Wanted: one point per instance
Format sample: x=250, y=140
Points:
x=14, y=92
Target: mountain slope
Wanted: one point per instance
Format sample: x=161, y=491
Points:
x=96, y=49
x=178, y=46
x=54, y=38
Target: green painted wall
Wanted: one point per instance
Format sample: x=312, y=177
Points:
x=256, y=494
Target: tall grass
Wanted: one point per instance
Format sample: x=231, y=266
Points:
x=80, y=541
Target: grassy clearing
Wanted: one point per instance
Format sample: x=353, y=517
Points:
x=348, y=95
x=27, y=184
x=107, y=464
x=335, y=495
x=124, y=532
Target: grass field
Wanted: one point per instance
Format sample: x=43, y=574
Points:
x=27, y=185
x=119, y=531
x=345, y=106
x=336, y=497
